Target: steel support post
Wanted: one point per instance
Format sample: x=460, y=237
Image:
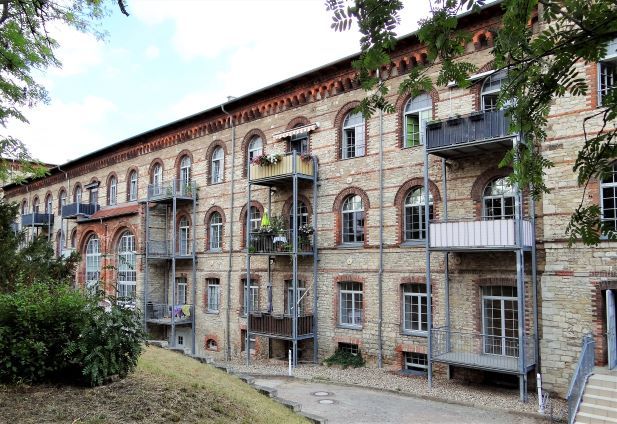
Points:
x=429, y=309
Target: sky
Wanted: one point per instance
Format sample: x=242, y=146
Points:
x=170, y=59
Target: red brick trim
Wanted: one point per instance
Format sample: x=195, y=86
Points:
x=483, y=39
x=255, y=132
x=243, y=214
x=286, y=211
x=154, y=162
x=211, y=337
x=338, y=127
x=399, y=202
x=207, y=227
x=337, y=209
x=178, y=161
x=299, y=120
x=119, y=231
x=399, y=108
x=209, y=153
x=477, y=189
x=128, y=182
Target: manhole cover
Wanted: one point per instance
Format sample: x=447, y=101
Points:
x=322, y=394
x=326, y=401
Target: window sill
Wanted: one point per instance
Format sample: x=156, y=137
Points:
x=350, y=246
x=414, y=243
x=415, y=333
x=212, y=183
x=214, y=251
x=412, y=147
x=349, y=327
x=355, y=157
x=212, y=312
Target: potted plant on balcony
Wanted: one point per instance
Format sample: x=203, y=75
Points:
x=304, y=237
x=267, y=160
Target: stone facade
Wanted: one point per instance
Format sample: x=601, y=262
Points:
x=571, y=280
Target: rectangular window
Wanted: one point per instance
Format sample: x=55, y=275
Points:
x=94, y=196
x=181, y=287
x=213, y=294
x=349, y=348
x=353, y=227
x=353, y=142
x=500, y=320
x=607, y=75
x=350, y=313
x=414, y=361
x=415, y=308
x=252, y=341
x=254, y=297
x=299, y=143
x=301, y=299
x=133, y=189
x=414, y=222
x=180, y=341
x=412, y=123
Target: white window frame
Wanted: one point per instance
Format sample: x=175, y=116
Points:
x=255, y=218
x=181, y=291
x=133, y=186
x=157, y=179
x=607, y=71
x=185, y=170
x=113, y=191
x=255, y=148
x=184, y=237
x=301, y=214
x=254, y=295
x=127, y=270
x=301, y=289
x=353, y=143
x=491, y=87
x=415, y=362
x=214, y=293
x=218, y=165
x=49, y=204
x=421, y=107
x=505, y=350
x=501, y=198
x=93, y=263
x=353, y=209
x=415, y=303
x=216, y=232
x=414, y=202
x=78, y=194
x=606, y=185
x=62, y=200
x=352, y=317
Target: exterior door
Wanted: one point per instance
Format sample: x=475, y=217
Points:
x=500, y=321
x=611, y=329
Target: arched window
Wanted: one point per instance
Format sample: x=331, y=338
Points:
x=77, y=195
x=353, y=220
x=498, y=200
x=418, y=112
x=133, y=187
x=353, y=144
x=255, y=148
x=490, y=90
x=24, y=207
x=112, y=191
x=218, y=165
x=157, y=176
x=62, y=201
x=60, y=242
x=185, y=170
x=35, y=205
x=49, y=204
x=93, y=263
x=414, y=225
x=127, y=274
x=216, y=231
x=302, y=215
x=255, y=218
x=608, y=192
x=183, y=237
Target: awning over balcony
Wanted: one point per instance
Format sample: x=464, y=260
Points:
x=298, y=130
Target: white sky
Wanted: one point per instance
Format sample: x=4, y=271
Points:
x=173, y=59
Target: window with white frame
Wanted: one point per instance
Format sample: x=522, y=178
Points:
x=62, y=200
x=78, y=193
x=414, y=361
x=298, y=142
x=181, y=291
x=93, y=193
x=498, y=200
x=185, y=171
x=133, y=187
x=415, y=308
x=49, y=204
x=183, y=237
x=255, y=218
x=112, y=192
x=300, y=298
x=351, y=348
x=218, y=165
x=255, y=148
x=216, y=231
x=157, y=179
x=214, y=294
x=500, y=320
x=301, y=215
x=353, y=220
x=350, y=313
x=418, y=112
x=93, y=263
x=607, y=71
x=608, y=201
x=127, y=272
x=250, y=295
x=490, y=90
x=413, y=217
x=353, y=144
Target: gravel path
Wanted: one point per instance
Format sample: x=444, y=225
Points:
x=443, y=389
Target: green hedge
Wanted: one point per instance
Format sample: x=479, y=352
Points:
x=51, y=333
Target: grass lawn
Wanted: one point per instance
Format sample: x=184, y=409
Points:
x=166, y=387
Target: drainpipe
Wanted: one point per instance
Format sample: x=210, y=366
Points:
x=231, y=231
x=380, y=275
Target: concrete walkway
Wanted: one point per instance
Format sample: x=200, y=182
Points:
x=342, y=404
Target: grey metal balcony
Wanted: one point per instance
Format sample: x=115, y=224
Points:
x=280, y=325
x=178, y=189
x=37, y=219
x=163, y=249
x=478, y=132
x=482, y=351
x=279, y=244
x=74, y=210
x=161, y=313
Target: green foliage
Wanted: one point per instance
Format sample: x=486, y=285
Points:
x=345, y=359
x=51, y=333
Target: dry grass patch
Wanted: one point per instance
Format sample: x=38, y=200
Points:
x=166, y=387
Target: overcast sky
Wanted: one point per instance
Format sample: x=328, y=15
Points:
x=171, y=59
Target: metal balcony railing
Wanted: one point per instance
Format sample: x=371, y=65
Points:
x=37, y=219
x=161, y=313
x=584, y=369
x=163, y=249
x=279, y=325
x=279, y=243
x=283, y=168
x=475, y=127
x=73, y=210
x=477, y=350
x=175, y=188
x=479, y=234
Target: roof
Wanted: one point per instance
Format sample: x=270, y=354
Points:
x=113, y=211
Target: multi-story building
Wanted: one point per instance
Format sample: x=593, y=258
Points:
x=163, y=219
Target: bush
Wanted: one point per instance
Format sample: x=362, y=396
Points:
x=51, y=333
x=345, y=359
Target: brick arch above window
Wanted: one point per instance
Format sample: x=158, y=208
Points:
x=178, y=163
x=476, y=87
x=286, y=211
x=399, y=107
x=157, y=161
x=128, y=181
x=299, y=120
x=119, y=232
x=483, y=39
x=399, y=202
x=83, y=241
x=207, y=218
x=255, y=132
x=338, y=127
x=211, y=148
x=337, y=210
x=259, y=207
x=477, y=189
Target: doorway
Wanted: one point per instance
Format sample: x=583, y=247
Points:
x=611, y=329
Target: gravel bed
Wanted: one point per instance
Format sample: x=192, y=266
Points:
x=443, y=389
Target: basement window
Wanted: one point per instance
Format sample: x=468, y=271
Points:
x=349, y=348
x=180, y=341
x=415, y=362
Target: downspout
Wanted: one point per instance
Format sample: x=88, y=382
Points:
x=231, y=233
x=380, y=275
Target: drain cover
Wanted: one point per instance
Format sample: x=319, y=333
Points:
x=322, y=394
x=326, y=401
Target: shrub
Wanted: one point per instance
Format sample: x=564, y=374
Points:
x=49, y=332
x=345, y=359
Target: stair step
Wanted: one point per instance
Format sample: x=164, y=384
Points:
x=593, y=389
x=610, y=401
x=599, y=410
x=584, y=417
x=604, y=380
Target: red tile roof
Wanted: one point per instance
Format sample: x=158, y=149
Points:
x=114, y=211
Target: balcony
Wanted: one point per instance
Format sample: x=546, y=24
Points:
x=279, y=244
x=178, y=189
x=37, y=219
x=486, y=234
x=280, y=325
x=163, y=249
x=479, y=132
x=283, y=169
x=481, y=351
x=75, y=210
x=161, y=313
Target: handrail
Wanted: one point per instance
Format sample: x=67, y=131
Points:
x=584, y=368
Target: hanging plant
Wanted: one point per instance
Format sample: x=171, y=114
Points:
x=267, y=160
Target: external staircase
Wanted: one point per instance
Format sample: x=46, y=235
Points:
x=599, y=405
